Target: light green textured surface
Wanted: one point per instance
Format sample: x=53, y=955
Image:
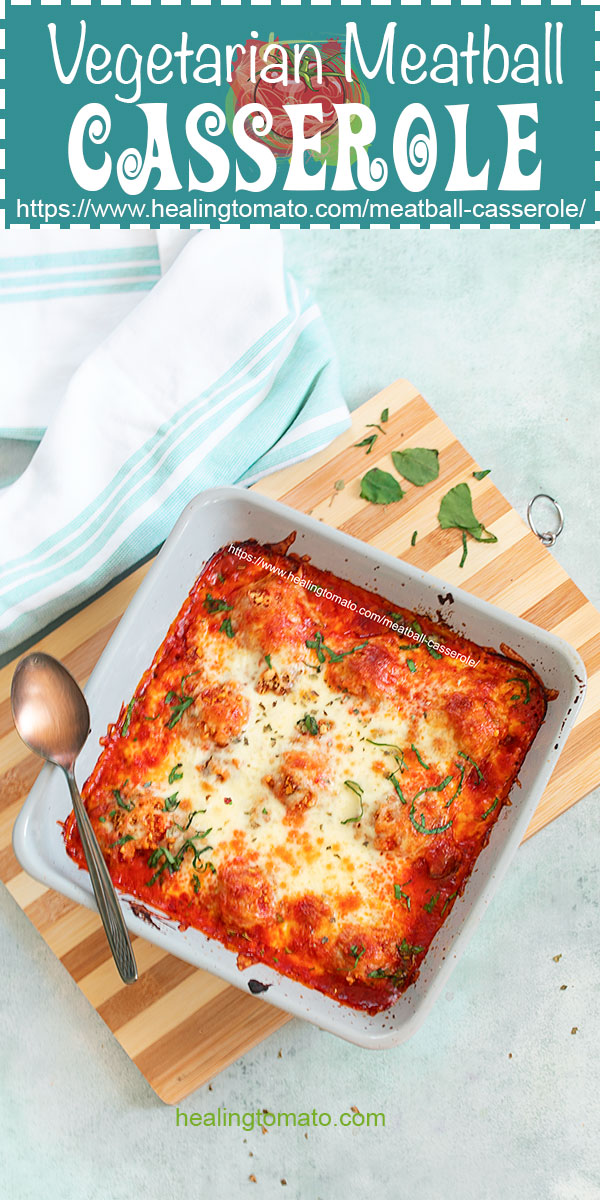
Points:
x=500, y=332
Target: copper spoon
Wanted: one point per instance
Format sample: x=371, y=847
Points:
x=52, y=717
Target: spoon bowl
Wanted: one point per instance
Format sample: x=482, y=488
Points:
x=49, y=709
x=51, y=716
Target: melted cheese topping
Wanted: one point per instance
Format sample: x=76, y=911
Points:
x=303, y=785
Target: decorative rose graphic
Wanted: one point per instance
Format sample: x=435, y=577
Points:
x=334, y=88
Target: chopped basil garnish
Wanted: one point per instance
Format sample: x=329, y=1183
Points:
x=430, y=904
x=309, y=723
x=396, y=786
x=179, y=703
x=358, y=791
x=127, y=721
x=390, y=746
x=400, y=895
x=171, y=861
x=227, y=627
x=171, y=803
x=421, y=760
x=406, y=950
x=490, y=810
x=416, y=464
x=121, y=802
x=472, y=762
x=418, y=628
x=446, y=902
x=411, y=664
x=356, y=953
x=318, y=645
x=380, y=487
x=216, y=604
x=420, y=825
x=413, y=540
x=525, y=682
x=127, y=837
x=462, y=768
x=268, y=661
x=221, y=577
x=481, y=474
x=174, y=773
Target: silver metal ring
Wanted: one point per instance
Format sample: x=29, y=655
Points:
x=548, y=538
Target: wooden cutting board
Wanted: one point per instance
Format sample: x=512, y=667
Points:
x=179, y=1025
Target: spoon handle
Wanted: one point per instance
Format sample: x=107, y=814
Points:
x=106, y=897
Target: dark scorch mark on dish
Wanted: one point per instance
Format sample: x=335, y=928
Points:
x=255, y=986
x=447, y=599
x=138, y=910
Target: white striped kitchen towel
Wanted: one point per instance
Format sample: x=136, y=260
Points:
x=61, y=292
x=221, y=373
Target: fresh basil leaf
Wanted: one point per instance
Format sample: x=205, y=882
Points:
x=481, y=474
x=380, y=487
x=413, y=540
x=456, y=512
x=418, y=465
x=384, y=416
x=368, y=441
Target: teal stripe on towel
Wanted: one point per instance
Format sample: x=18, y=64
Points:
x=143, y=285
x=134, y=272
x=77, y=258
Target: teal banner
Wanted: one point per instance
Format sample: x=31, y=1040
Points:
x=334, y=114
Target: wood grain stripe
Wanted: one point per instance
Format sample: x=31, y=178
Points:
x=158, y=982
x=168, y=1011
x=221, y=1030
x=104, y=981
